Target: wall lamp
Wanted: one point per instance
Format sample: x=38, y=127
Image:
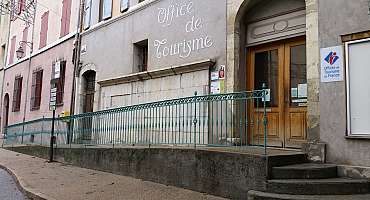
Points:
x=20, y=50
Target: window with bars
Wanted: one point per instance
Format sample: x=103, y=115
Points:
x=60, y=82
x=17, y=94
x=36, y=89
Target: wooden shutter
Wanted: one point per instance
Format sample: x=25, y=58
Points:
x=124, y=5
x=60, y=83
x=87, y=17
x=44, y=29
x=36, y=89
x=12, y=49
x=21, y=6
x=24, y=38
x=17, y=94
x=33, y=90
x=66, y=15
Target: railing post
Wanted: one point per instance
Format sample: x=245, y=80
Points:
x=195, y=119
x=264, y=87
x=42, y=128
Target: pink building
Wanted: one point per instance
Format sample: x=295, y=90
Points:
x=35, y=50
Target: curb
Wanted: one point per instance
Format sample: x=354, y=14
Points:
x=32, y=195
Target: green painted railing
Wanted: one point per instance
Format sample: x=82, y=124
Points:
x=234, y=119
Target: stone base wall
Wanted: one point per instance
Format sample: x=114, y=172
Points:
x=226, y=174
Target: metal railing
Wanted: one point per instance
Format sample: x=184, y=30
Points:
x=234, y=119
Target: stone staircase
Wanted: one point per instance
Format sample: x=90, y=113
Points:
x=310, y=181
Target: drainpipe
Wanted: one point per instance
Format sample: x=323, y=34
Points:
x=29, y=67
x=77, y=55
x=77, y=47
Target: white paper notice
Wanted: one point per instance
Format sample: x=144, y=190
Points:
x=215, y=87
x=332, y=64
x=302, y=90
x=294, y=92
x=268, y=95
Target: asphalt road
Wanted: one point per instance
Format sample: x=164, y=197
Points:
x=8, y=188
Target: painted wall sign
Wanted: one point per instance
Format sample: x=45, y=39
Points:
x=331, y=64
x=182, y=48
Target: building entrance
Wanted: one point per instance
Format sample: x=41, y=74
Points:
x=282, y=67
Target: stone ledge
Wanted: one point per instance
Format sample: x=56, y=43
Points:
x=168, y=71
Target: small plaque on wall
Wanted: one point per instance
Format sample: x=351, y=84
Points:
x=332, y=64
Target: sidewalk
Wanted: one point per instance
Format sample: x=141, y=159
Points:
x=65, y=182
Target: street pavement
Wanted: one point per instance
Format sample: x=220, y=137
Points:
x=65, y=182
x=8, y=188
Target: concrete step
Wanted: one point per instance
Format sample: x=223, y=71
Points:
x=305, y=171
x=334, y=186
x=256, y=195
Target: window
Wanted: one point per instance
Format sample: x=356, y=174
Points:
x=24, y=38
x=141, y=55
x=36, y=89
x=60, y=82
x=12, y=50
x=124, y=5
x=17, y=94
x=358, y=94
x=66, y=15
x=105, y=9
x=87, y=14
x=44, y=29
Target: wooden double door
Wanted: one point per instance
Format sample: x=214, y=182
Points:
x=282, y=67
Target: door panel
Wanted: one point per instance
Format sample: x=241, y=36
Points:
x=282, y=67
x=295, y=93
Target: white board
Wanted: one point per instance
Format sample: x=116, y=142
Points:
x=358, y=84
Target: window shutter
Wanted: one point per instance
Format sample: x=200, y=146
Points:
x=33, y=90
x=44, y=29
x=21, y=6
x=39, y=88
x=60, y=84
x=124, y=5
x=66, y=15
x=87, y=18
x=24, y=38
x=12, y=50
x=17, y=94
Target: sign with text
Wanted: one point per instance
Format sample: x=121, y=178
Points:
x=53, y=98
x=331, y=64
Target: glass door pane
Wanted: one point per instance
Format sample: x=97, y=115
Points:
x=298, y=76
x=267, y=71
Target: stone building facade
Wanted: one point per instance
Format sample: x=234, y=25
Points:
x=230, y=35
x=308, y=52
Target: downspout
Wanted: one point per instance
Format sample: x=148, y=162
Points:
x=75, y=69
x=29, y=67
x=77, y=55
